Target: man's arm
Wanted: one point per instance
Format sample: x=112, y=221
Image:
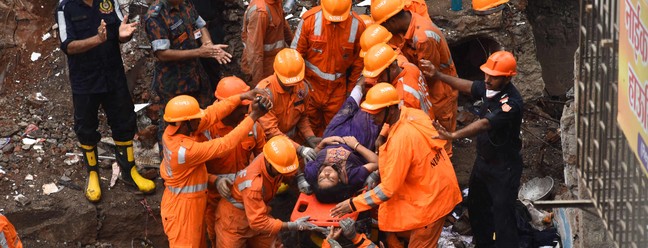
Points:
x=254, y=49
x=469, y=131
x=431, y=73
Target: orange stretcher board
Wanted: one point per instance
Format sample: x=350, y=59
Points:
x=307, y=205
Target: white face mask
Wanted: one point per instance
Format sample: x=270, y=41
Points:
x=491, y=93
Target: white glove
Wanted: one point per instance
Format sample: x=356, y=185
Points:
x=307, y=153
x=223, y=185
x=333, y=243
x=348, y=228
x=372, y=180
x=303, y=185
x=302, y=224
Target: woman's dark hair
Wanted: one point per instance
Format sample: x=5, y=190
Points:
x=335, y=194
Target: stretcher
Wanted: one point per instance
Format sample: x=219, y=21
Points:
x=307, y=205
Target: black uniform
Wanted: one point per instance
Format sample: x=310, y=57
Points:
x=97, y=75
x=495, y=177
x=211, y=11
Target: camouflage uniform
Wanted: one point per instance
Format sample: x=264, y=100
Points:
x=171, y=27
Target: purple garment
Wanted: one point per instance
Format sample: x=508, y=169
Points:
x=349, y=121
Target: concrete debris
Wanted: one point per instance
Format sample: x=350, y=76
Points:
x=73, y=160
x=364, y=3
x=35, y=56
x=108, y=140
x=65, y=178
x=140, y=106
x=450, y=239
x=303, y=11
x=80, y=155
x=115, y=174
x=4, y=141
x=50, y=188
x=22, y=200
x=46, y=36
x=29, y=177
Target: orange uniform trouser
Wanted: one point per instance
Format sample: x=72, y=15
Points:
x=233, y=230
x=427, y=236
x=446, y=114
x=210, y=218
x=183, y=219
x=324, y=103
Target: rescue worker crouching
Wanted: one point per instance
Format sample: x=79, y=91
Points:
x=290, y=95
x=244, y=218
x=183, y=166
x=418, y=185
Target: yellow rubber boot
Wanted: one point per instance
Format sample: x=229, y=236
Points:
x=92, y=188
x=126, y=161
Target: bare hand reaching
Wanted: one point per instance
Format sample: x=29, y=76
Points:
x=126, y=29
x=428, y=69
x=443, y=133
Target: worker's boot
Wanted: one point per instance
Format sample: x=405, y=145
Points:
x=92, y=187
x=126, y=161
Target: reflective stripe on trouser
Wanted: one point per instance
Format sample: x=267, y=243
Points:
x=324, y=103
x=188, y=189
x=183, y=218
x=233, y=230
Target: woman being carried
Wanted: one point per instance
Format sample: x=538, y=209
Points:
x=345, y=157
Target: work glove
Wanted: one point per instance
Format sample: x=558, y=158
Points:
x=307, y=153
x=223, y=185
x=372, y=180
x=333, y=243
x=303, y=185
x=313, y=141
x=302, y=224
x=348, y=228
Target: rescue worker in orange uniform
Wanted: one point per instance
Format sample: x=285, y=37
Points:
x=8, y=235
x=381, y=66
x=328, y=39
x=418, y=185
x=289, y=95
x=420, y=39
x=265, y=33
x=238, y=158
x=183, y=166
x=244, y=218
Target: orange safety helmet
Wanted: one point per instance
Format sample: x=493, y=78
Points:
x=182, y=108
x=289, y=66
x=482, y=5
x=374, y=34
x=500, y=63
x=380, y=96
x=382, y=10
x=336, y=10
x=367, y=20
x=230, y=86
x=377, y=59
x=281, y=154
